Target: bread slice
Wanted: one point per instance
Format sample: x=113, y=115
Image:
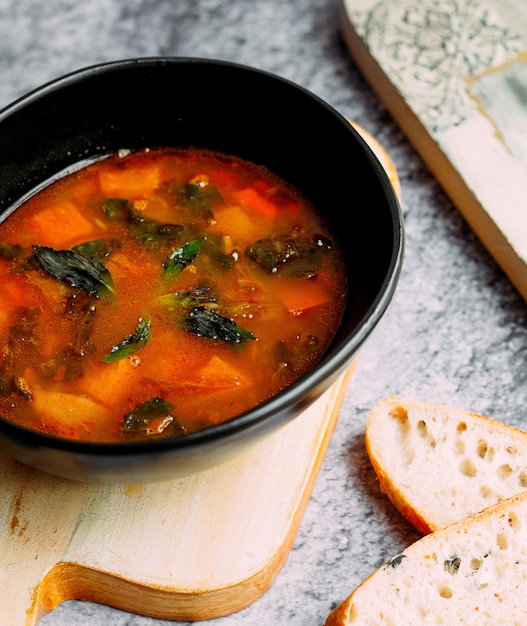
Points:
x=438, y=464
x=473, y=572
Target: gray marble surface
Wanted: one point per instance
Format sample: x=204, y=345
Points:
x=455, y=333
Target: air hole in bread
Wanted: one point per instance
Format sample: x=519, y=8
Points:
x=514, y=521
x=409, y=455
x=486, y=492
x=461, y=427
x=424, y=433
x=504, y=471
x=502, y=541
x=522, y=480
x=482, y=448
x=445, y=592
x=475, y=564
x=459, y=447
x=401, y=414
x=452, y=565
x=467, y=468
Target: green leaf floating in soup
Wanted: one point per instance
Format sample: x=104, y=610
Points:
x=131, y=343
x=159, y=292
x=76, y=268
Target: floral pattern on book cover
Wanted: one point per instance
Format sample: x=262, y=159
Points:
x=429, y=48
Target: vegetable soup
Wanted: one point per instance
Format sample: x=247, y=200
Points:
x=155, y=293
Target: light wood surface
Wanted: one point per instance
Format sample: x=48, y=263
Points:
x=452, y=74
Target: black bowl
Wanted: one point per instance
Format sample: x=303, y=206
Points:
x=239, y=111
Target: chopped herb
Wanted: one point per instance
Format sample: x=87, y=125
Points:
x=20, y=339
x=67, y=363
x=200, y=199
x=147, y=231
x=99, y=248
x=77, y=269
x=12, y=252
x=23, y=329
x=22, y=260
x=130, y=344
x=273, y=254
x=151, y=418
x=183, y=256
x=205, y=322
x=188, y=298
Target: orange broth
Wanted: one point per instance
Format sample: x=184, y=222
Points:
x=156, y=293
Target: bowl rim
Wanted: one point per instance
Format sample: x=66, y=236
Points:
x=331, y=364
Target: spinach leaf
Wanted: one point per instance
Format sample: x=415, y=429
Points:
x=147, y=231
x=99, y=248
x=130, y=344
x=12, y=252
x=67, y=363
x=21, y=340
x=289, y=252
x=188, y=298
x=199, y=199
x=22, y=260
x=183, y=256
x=205, y=322
x=153, y=417
x=77, y=269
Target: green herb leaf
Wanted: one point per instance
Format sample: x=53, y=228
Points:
x=12, y=252
x=153, y=417
x=205, y=322
x=183, y=256
x=287, y=252
x=147, y=231
x=21, y=259
x=132, y=343
x=68, y=362
x=99, y=248
x=201, y=200
x=192, y=297
x=76, y=268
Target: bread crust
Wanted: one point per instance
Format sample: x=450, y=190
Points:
x=473, y=572
x=438, y=464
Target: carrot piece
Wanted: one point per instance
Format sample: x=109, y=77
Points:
x=257, y=202
x=299, y=296
x=59, y=226
x=129, y=183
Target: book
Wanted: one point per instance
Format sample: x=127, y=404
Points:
x=453, y=75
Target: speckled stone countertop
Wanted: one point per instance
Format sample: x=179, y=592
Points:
x=455, y=333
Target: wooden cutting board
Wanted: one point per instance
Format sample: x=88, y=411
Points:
x=453, y=75
x=192, y=549
x=195, y=548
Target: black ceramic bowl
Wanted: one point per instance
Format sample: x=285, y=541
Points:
x=236, y=110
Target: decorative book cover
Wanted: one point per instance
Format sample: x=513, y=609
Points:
x=453, y=75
